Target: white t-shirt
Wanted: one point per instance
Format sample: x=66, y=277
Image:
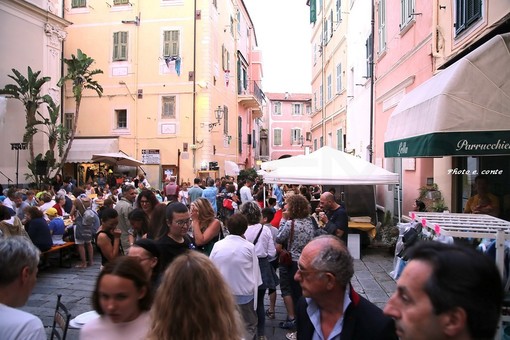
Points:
x=103, y=328
x=245, y=194
x=235, y=257
x=16, y=324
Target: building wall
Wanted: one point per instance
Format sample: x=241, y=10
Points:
x=356, y=81
x=329, y=108
x=139, y=84
x=448, y=44
x=40, y=28
x=403, y=65
x=286, y=121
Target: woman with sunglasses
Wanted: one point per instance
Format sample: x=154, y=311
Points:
x=175, y=239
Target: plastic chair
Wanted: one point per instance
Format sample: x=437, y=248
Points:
x=60, y=321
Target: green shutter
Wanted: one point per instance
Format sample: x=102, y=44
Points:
x=313, y=11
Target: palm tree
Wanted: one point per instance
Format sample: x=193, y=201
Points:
x=57, y=133
x=78, y=71
x=28, y=92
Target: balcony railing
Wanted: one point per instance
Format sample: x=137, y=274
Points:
x=251, y=97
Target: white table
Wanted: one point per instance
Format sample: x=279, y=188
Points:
x=470, y=226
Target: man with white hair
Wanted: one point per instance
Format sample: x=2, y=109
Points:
x=18, y=270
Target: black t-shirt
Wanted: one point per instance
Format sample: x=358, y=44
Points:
x=169, y=249
x=337, y=219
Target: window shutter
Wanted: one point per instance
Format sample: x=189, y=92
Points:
x=116, y=46
x=175, y=43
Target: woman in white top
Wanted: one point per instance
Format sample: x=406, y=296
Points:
x=262, y=237
x=122, y=298
x=184, y=195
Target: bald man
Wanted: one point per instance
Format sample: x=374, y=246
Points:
x=330, y=308
x=335, y=218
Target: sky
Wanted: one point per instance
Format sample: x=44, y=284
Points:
x=283, y=35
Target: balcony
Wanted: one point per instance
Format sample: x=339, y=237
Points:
x=251, y=98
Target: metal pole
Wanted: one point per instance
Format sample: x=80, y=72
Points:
x=17, y=166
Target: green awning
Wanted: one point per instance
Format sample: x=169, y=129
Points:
x=452, y=144
x=463, y=110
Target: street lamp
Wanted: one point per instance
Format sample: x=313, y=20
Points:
x=218, y=114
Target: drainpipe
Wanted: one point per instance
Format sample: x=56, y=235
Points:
x=372, y=79
x=194, y=83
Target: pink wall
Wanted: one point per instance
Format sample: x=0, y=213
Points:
x=404, y=65
x=286, y=122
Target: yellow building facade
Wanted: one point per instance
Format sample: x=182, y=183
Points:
x=180, y=80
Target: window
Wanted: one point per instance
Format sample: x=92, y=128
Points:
x=277, y=108
x=232, y=25
x=239, y=21
x=319, y=8
x=78, y=3
x=295, y=136
x=338, y=78
x=329, y=87
x=338, y=11
x=406, y=9
x=225, y=58
x=467, y=12
x=296, y=109
x=121, y=119
x=331, y=22
x=315, y=100
x=225, y=120
x=168, y=107
x=321, y=142
x=120, y=2
x=215, y=3
x=277, y=137
x=242, y=78
x=339, y=139
x=69, y=121
x=381, y=25
x=368, y=45
x=325, y=37
x=171, y=43
x=308, y=109
x=120, y=46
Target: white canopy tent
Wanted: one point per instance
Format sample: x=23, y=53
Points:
x=327, y=166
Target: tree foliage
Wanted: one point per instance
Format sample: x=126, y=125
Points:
x=81, y=76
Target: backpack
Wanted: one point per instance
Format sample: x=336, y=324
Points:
x=85, y=224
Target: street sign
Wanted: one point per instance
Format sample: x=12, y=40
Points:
x=151, y=156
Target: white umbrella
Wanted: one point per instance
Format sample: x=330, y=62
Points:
x=116, y=158
x=231, y=168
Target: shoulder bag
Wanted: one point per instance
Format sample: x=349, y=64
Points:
x=285, y=258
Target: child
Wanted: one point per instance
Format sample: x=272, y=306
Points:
x=267, y=217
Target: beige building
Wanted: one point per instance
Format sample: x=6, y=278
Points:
x=31, y=34
x=182, y=84
x=329, y=51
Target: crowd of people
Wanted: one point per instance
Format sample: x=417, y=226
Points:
x=197, y=265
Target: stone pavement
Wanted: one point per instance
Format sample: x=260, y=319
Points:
x=371, y=279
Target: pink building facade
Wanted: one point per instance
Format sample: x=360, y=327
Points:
x=289, y=123
x=403, y=61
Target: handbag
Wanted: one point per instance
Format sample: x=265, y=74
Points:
x=227, y=204
x=285, y=258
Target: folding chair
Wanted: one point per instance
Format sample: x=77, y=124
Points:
x=60, y=321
